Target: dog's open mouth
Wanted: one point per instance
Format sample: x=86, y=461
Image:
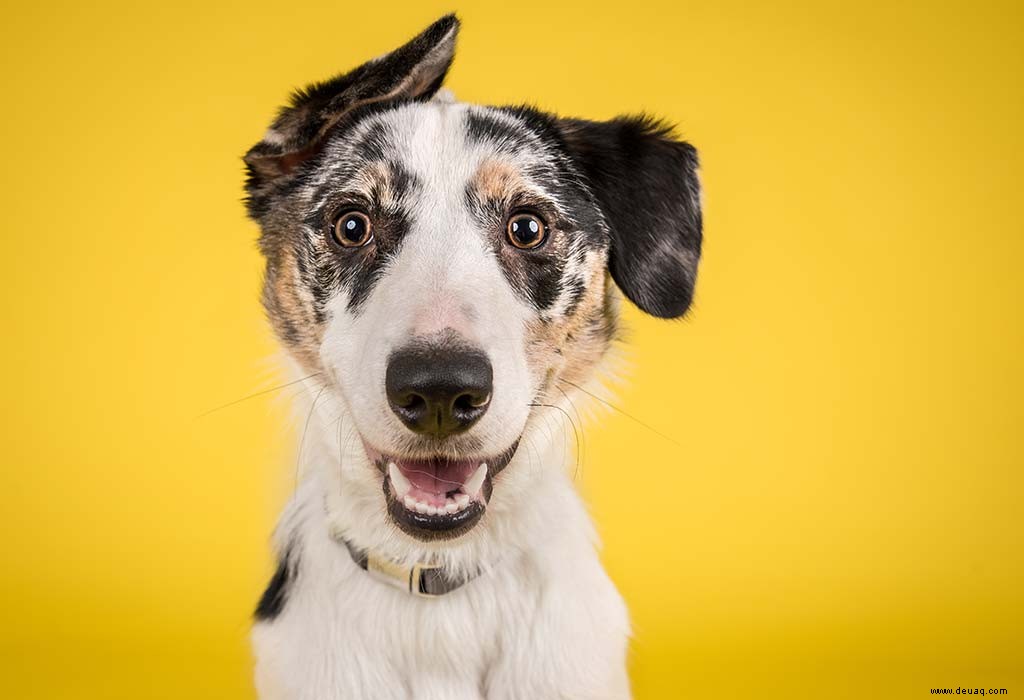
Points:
x=439, y=496
x=436, y=487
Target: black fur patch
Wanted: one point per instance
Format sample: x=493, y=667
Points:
x=646, y=183
x=576, y=290
x=502, y=134
x=373, y=145
x=275, y=596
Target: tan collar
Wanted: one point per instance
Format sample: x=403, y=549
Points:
x=424, y=580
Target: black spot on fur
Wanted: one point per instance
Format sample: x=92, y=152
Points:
x=373, y=144
x=289, y=333
x=402, y=181
x=576, y=291
x=275, y=596
x=542, y=279
x=502, y=134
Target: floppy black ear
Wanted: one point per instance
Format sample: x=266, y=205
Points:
x=414, y=71
x=646, y=184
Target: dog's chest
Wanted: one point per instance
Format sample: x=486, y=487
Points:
x=370, y=638
x=517, y=632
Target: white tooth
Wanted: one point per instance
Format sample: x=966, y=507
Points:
x=431, y=510
x=451, y=506
x=398, y=481
x=462, y=500
x=410, y=503
x=421, y=507
x=473, y=484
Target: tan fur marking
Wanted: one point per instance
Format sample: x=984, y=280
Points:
x=569, y=347
x=289, y=311
x=375, y=178
x=497, y=179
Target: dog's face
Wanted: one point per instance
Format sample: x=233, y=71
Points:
x=443, y=268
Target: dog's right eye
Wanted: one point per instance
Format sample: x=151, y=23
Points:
x=352, y=230
x=526, y=230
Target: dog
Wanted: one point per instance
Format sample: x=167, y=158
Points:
x=445, y=278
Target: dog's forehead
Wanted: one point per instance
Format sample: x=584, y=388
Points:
x=441, y=144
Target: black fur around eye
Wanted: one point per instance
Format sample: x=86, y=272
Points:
x=526, y=230
x=352, y=230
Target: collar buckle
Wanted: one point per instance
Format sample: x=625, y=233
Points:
x=417, y=582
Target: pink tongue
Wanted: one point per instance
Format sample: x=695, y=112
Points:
x=436, y=476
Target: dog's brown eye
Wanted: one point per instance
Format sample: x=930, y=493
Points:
x=526, y=230
x=353, y=230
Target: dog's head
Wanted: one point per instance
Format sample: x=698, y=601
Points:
x=443, y=267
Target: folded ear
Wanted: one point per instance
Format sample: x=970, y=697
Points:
x=414, y=71
x=646, y=184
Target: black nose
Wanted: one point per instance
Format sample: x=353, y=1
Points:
x=439, y=390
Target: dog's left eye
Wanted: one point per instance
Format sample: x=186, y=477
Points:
x=352, y=230
x=526, y=230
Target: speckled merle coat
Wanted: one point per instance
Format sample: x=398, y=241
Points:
x=417, y=246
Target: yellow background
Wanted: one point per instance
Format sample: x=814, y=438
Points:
x=842, y=516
